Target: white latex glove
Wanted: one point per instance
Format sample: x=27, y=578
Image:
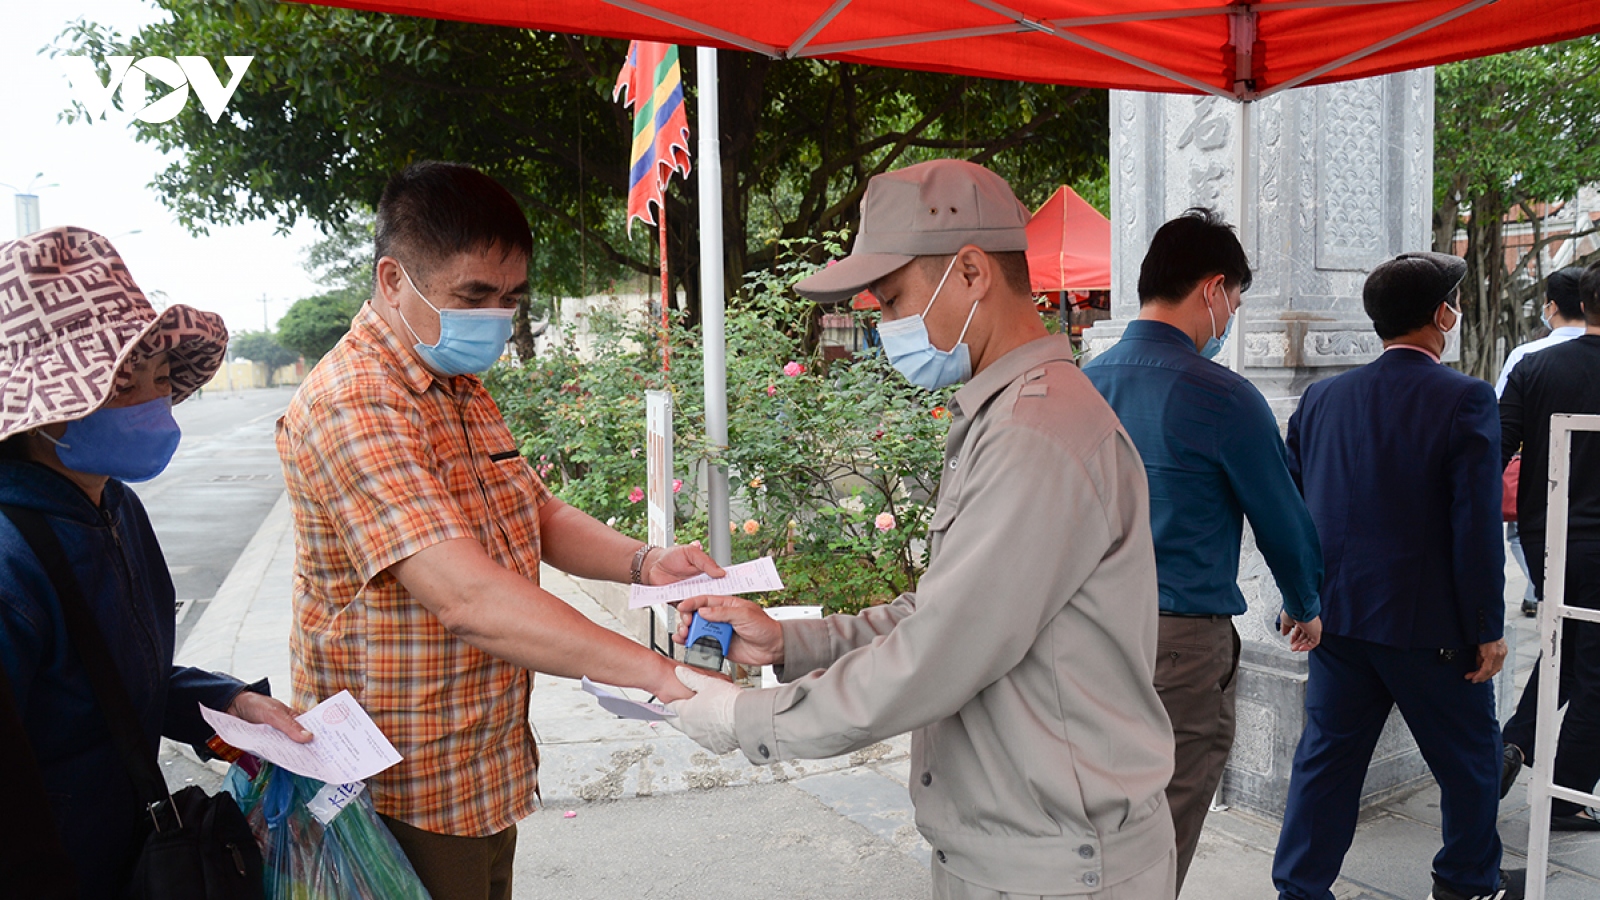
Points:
x=707, y=717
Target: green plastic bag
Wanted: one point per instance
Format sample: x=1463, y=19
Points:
x=353, y=857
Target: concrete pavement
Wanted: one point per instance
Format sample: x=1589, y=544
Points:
x=656, y=816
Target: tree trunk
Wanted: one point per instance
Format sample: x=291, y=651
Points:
x=522, y=332
x=1446, y=219
x=1485, y=321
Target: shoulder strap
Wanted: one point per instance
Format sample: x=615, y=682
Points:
x=93, y=652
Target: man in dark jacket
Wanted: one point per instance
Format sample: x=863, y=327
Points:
x=1398, y=461
x=1562, y=379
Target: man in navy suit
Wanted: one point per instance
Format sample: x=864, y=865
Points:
x=1399, y=462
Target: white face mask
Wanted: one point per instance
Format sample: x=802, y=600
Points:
x=1455, y=325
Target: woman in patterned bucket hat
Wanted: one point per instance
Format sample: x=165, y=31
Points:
x=72, y=322
x=88, y=374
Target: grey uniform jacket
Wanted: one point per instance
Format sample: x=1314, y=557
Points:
x=1023, y=661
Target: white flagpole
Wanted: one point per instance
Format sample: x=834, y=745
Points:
x=711, y=302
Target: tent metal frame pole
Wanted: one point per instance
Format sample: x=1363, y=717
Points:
x=923, y=37
x=700, y=28
x=1103, y=50
x=1246, y=194
x=1060, y=29
x=821, y=23
x=712, y=308
x=1017, y=25
x=1363, y=53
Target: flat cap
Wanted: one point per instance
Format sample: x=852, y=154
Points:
x=929, y=209
x=1415, y=277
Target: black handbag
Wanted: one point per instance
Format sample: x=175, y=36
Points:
x=199, y=847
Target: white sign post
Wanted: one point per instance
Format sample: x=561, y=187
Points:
x=658, y=491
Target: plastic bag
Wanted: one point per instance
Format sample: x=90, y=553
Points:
x=354, y=857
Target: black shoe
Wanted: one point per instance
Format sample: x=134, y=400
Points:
x=1530, y=608
x=1510, y=767
x=1513, y=883
x=1586, y=819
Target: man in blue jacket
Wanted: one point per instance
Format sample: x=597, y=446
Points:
x=1213, y=457
x=1399, y=462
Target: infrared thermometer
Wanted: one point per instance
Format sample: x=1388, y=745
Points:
x=707, y=645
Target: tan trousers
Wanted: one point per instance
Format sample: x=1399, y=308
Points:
x=1197, y=663
x=458, y=868
x=1154, y=883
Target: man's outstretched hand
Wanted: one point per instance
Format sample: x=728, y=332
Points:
x=674, y=564
x=757, y=637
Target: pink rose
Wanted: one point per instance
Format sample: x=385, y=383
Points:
x=884, y=521
x=793, y=368
x=635, y=495
x=677, y=485
x=771, y=389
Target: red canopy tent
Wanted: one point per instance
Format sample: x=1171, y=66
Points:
x=1069, y=245
x=1232, y=49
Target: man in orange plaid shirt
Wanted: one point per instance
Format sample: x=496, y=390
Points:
x=419, y=530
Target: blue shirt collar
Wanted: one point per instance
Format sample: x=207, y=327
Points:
x=1161, y=332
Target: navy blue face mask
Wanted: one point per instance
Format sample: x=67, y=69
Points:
x=132, y=443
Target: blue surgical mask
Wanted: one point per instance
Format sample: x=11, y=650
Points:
x=1543, y=317
x=1214, y=343
x=133, y=443
x=906, y=343
x=470, y=340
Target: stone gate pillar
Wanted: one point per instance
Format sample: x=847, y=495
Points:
x=1323, y=183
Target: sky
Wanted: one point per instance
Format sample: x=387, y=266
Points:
x=98, y=178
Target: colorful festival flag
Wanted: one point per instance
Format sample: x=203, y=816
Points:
x=651, y=84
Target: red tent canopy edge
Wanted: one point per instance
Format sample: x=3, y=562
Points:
x=1237, y=50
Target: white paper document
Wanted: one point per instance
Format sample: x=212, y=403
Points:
x=348, y=746
x=628, y=709
x=751, y=577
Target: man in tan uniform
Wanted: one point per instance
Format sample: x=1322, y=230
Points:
x=1024, y=661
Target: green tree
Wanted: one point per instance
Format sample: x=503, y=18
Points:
x=261, y=347
x=341, y=260
x=313, y=325
x=337, y=100
x=1511, y=132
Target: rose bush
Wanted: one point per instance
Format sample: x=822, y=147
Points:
x=822, y=454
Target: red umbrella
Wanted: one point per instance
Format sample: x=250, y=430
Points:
x=1232, y=49
x=1069, y=245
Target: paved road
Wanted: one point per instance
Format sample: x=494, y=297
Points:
x=218, y=489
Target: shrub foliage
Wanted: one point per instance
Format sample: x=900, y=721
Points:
x=833, y=467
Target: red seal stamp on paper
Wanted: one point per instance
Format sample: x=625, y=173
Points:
x=335, y=715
